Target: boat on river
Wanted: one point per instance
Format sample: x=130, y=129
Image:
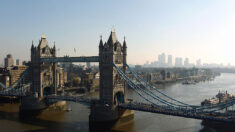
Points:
x=219, y=98
x=187, y=82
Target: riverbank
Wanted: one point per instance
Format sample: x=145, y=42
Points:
x=194, y=79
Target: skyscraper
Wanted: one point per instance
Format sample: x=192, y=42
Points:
x=169, y=62
x=198, y=63
x=9, y=61
x=18, y=62
x=178, y=62
x=162, y=60
x=186, y=62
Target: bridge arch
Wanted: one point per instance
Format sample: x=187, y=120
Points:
x=47, y=91
x=119, y=98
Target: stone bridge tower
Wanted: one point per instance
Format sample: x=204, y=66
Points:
x=43, y=74
x=112, y=86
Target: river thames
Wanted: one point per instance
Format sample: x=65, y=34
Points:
x=78, y=118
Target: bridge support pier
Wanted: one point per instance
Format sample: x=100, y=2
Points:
x=33, y=106
x=102, y=115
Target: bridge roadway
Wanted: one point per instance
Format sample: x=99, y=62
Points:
x=71, y=59
x=214, y=116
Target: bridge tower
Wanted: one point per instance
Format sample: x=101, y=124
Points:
x=112, y=86
x=43, y=74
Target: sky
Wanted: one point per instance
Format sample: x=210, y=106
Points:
x=197, y=29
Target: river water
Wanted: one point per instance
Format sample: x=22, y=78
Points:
x=77, y=119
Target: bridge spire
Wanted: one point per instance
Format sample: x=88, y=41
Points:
x=112, y=38
x=43, y=42
x=43, y=36
x=124, y=42
x=54, y=50
x=101, y=42
x=113, y=30
x=32, y=45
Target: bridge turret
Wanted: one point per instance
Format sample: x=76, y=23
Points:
x=54, y=50
x=32, y=47
x=124, y=46
x=124, y=50
x=32, y=51
x=101, y=46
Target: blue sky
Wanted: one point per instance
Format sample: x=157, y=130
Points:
x=196, y=29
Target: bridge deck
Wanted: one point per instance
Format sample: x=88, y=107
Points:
x=215, y=116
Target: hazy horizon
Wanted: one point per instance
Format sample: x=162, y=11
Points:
x=193, y=29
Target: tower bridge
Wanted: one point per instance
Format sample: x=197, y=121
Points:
x=112, y=103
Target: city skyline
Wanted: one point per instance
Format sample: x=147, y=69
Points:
x=164, y=60
x=168, y=60
x=193, y=29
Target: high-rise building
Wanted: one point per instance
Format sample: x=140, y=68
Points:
x=9, y=61
x=186, y=62
x=198, y=63
x=162, y=59
x=18, y=62
x=169, y=62
x=178, y=62
x=146, y=64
